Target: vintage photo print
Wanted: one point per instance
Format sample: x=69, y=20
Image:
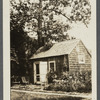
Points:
x=49, y=49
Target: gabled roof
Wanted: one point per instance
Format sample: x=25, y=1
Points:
x=60, y=48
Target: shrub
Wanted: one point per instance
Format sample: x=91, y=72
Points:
x=51, y=76
x=70, y=82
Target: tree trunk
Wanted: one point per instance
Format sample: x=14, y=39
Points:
x=39, y=32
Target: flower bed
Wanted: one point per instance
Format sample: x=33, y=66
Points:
x=71, y=82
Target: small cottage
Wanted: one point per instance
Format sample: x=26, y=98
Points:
x=70, y=55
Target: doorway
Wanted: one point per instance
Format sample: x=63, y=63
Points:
x=40, y=71
x=37, y=73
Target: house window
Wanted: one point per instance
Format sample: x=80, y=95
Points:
x=81, y=58
x=52, y=66
x=77, y=49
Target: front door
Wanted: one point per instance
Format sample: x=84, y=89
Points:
x=40, y=71
x=43, y=71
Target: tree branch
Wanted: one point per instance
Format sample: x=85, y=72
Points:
x=60, y=13
x=86, y=25
x=31, y=31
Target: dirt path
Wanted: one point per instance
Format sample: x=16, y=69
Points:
x=87, y=96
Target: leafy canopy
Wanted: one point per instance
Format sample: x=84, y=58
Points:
x=43, y=18
x=49, y=17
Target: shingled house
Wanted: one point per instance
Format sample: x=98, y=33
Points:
x=70, y=54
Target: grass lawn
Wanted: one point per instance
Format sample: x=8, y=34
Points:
x=27, y=96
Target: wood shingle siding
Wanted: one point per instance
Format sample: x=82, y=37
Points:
x=59, y=60
x=74, y=64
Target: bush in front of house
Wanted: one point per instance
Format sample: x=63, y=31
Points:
x=71, y=82
x=51, y=76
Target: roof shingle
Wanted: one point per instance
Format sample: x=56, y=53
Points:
x=60, y=48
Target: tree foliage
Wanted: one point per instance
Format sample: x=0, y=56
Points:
x=43, y=18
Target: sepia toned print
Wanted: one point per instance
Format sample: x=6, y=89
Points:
x=51, y=55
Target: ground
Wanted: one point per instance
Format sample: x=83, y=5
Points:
x=32, y=96
x=37, y=93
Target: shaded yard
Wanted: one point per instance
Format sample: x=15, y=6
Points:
x=32, y=96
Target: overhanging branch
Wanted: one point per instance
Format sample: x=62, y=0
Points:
x=60, y=13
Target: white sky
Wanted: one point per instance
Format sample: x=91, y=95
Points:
x=80, y=31
x=87, y=35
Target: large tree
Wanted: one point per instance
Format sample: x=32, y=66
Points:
x=43, y=18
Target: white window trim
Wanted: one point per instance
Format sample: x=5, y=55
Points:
x=37, y=62
x=54, y=65
x=79, y=59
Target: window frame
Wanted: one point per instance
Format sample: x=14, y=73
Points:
x=79, y=58
x=35, y=74
x=54, y=65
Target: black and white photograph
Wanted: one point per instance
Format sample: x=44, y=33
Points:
x=52, y=49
